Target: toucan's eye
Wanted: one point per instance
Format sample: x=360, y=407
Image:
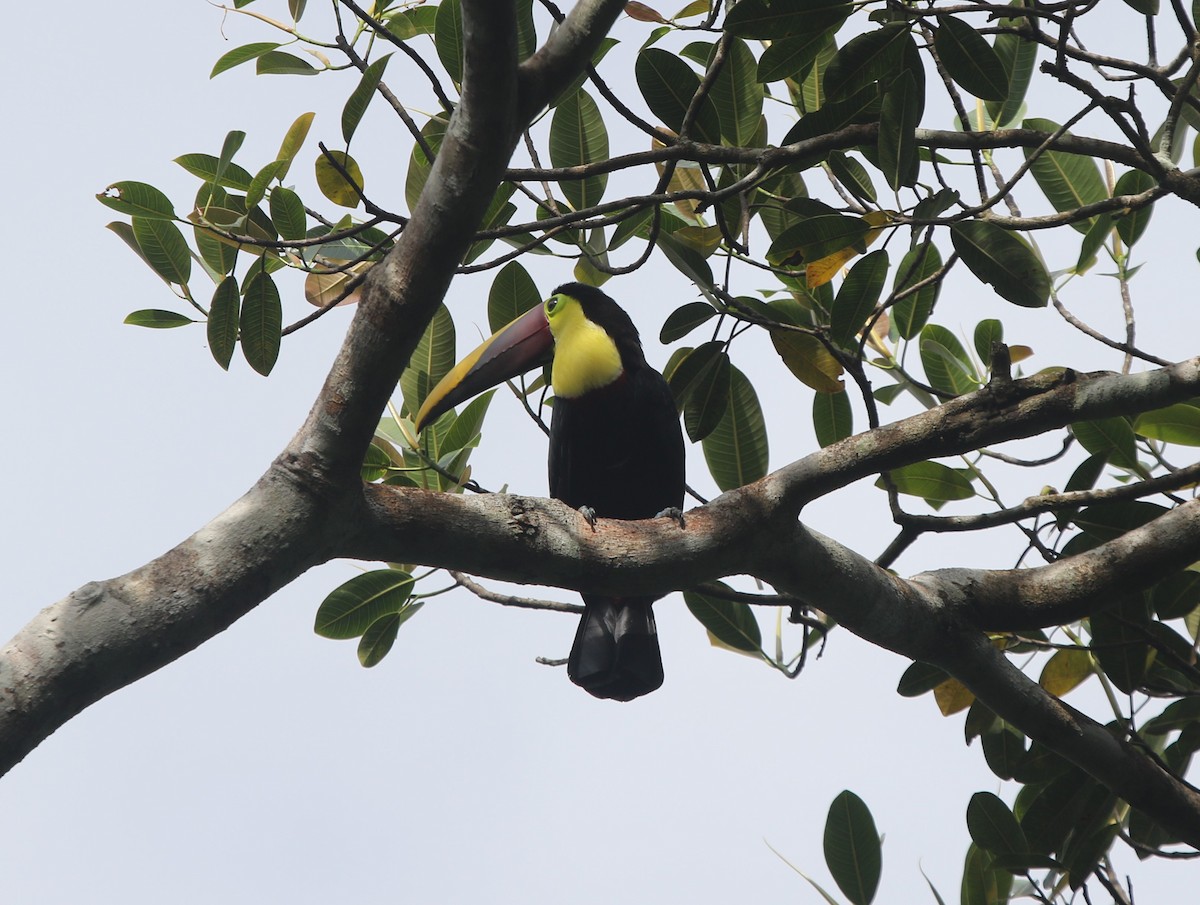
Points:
x=551, y=304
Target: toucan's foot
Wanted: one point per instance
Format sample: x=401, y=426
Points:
x=675, y=514
x=589, y=515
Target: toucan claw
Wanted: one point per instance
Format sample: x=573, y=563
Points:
x=589, y=515
x=675, y=514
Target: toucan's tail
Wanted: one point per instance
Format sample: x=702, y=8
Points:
x=616, y=654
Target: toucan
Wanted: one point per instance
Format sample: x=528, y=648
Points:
x=616, y=451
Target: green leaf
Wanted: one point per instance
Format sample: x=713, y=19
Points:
x=1178, y=595
x=1131, y=225
x=513, y=293
x=360, y=98
x=1093, y=240
x=760, y=19
x=138, y=199
x=987, y=333
x=406, y=24
x=729, y=623
x=418, y=165
x=931, y=481
x=1003, y=749
x=1017, y=55
x=223, y=314
x=261, y=322
x=970, y=60
x=464, y=433
x=1068, y=181
x=1178, y=423
x=668, y=85
x=684, y=319
x=815, y=237
x=432, y=360
x=220, y=255
x=920, y=678
x=1119, y=642
x=352, y=608
x=1087, y=848
x=857, y=297
x=911, y=313
x=853, y=175
x=276, y=62
x=333, y=184
x=1178, y=715
x=526, y=32
x=258, y=186
x=692, y=369
x=791, y=57
x=1112, y=438
x=946, y=363
x=737, y=95
x=287, y=213
x=981, y=884
x=240, y=55
x=867, y=58
x=1105, y=521
x=860, y=106
x=578, y=137
x=811, y=95
x=164, y=248
x=852, y=850
x=211, y=169
x=736, y=451
x=686, y=260
x=833, y=418
x=379, y=637
x=157, y=318
x=992, y=825
x=897, y=136
x=707, y=395
x=229, y=147
x=448, y=38
x=1002, y=259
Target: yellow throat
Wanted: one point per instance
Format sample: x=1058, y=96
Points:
x=585, y=356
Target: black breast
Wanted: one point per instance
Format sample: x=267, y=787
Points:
x=619, y=449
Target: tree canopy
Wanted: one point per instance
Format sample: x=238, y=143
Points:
x=887, y=214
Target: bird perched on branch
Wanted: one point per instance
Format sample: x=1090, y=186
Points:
x=616, y=451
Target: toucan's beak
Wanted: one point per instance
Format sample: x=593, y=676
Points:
x=523, y=345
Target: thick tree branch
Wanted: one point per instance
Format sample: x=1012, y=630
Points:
x=1068, y=589
x=109, y=634
x=402, y=292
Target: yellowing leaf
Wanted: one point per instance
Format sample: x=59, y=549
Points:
x=821, y=271
x=810, y=361
x=642, y=12
x=703, y=239
x=1065, y=670
x=333, y=184
x=322, y=288
x=686, y=178
x=952, y=696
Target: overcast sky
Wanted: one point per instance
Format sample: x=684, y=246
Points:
x=268, y=766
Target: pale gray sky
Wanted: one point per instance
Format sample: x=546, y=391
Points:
x=268, y=766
